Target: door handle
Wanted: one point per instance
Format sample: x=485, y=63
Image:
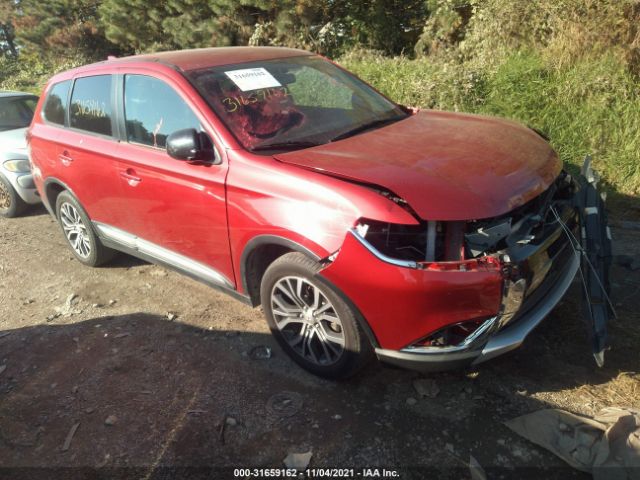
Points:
x=65, y=159
x=130, y=176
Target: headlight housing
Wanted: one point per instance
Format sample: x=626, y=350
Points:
x=426, y=242
x=17, y=166
x=429, y=245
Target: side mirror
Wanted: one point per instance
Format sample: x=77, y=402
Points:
x=192, y=146
x=185, y=145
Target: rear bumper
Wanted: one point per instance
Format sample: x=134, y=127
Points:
x=488, y=345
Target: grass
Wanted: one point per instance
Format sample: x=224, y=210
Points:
x=589, y=106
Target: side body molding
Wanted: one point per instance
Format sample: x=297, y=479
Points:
x=120, y=240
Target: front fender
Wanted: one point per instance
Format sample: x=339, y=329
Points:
x=266, y=197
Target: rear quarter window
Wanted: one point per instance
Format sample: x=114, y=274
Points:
x=54, y=110
x=91, y=104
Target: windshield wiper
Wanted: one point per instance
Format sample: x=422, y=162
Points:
x=365, y=126
x=292, y=145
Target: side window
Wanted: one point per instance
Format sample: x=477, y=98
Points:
x=54, y=109
x=153, y=110
x=15, y=112
x=91, y=104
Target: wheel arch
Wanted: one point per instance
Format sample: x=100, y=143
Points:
x=52, y=188
x=253, y=265
x=260, y=252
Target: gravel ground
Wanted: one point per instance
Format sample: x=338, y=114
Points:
x=133, y=371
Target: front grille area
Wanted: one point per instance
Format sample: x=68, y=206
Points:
x=533, y=244
x=551, y=254
x=544, y=262
x=524, y=228
x=535, y=295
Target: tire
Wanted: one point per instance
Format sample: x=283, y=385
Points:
x=79, y=233
x=310, y=320
x=11, y=205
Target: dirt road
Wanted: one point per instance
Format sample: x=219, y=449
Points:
x=159, y=374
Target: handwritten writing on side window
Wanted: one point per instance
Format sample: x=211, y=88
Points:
x=91, y=108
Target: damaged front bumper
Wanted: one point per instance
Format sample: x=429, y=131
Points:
x=507, y=289
x=489, y=340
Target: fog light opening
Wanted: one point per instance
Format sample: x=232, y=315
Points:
x=449, y=336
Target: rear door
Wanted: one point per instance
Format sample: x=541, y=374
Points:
x=89, y=149
x=46, y=130
x=177, y=206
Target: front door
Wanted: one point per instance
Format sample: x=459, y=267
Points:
x=88, y=150
x=176, y=210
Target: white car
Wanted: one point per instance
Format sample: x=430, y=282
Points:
x=17, y=190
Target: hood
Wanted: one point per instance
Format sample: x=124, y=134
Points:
x=13, y=141
x=446, y=166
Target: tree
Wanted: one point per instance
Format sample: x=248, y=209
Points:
x=332, y=26
x=135, y=25
x=391, y=26
x=7, y=30
x=64, y=28
x=95, y=28
x=141, y=25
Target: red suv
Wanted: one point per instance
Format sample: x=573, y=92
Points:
x=431, y=239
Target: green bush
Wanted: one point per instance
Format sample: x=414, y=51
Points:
x=29, y=73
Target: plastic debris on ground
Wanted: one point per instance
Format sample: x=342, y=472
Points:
x=299, y=461
x=607, y=445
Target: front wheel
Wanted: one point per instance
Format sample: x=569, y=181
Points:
x=310, y=320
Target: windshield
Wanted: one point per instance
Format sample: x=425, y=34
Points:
x=16, y=112
x=292, y=103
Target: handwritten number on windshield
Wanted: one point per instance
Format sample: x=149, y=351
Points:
x=233, y=103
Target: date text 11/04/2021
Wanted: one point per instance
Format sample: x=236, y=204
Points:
x=316, y=473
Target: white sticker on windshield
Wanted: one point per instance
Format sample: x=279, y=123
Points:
x=252, y=79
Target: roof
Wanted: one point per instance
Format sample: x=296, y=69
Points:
x=212, y=57
x=8, y=93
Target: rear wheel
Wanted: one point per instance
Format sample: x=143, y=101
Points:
x=11, y=205
x=79, y=233
x=310, y=320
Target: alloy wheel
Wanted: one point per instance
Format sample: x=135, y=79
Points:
x=75, y=230
x=307, y=320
